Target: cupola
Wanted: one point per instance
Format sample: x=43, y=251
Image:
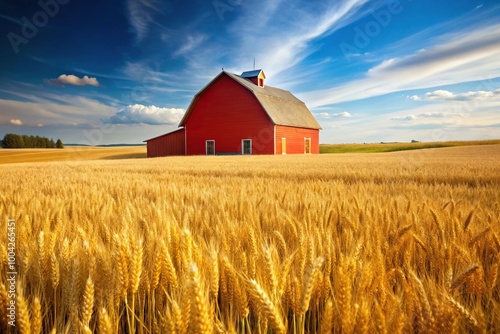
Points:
x=256, y=76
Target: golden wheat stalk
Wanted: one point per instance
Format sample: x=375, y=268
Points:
x=121, y=256
x=428, y=316
x=479, y=236
x=105, y=326
x=36, y=312
x=344, y=298
x=88, y=302
x=270, y=270
x=266, y=306
x=180, y=318
x=310, y=280
x=214, y=275
x=136, y=267
x=463, y=312
x=23, y=314
x=327, y=318
x=4, y=303
x=380, y=320
x=168, y=271
x=462, y=277
x=469, y=218
x=54, y=271
x=201, y=321
x=155, y=275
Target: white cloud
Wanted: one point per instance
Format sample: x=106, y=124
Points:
x=444, y=95
x=457, y=57
x=322, y=115
x=16, y=122
x=344, y=114
x=425, y=122
x=71, y=79
x=138, y=113
x=439, y=95
x=39, y=125
x=438, y=114
x=428, y=114
x=403, y=118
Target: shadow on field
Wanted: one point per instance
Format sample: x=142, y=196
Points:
x=125, y=156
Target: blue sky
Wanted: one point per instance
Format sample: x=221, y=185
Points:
x=108, y=71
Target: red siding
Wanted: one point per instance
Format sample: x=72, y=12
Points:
x=295, y=139
x=227, y=113
x=172, y=143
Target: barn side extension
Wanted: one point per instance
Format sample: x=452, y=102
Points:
x=172, y=143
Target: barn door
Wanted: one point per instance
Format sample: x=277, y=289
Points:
x=283, y=145
x=307, y=145
x=246, y=146
x=210, y=147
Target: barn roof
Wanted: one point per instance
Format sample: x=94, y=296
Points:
x=281, y=106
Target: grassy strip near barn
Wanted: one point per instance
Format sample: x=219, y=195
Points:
x=392, y=147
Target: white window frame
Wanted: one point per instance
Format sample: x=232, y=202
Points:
x=305, y=145
x=243, y=147
x=282, y=145
x=206, y=146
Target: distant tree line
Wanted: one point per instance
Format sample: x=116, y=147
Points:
x=11, y=140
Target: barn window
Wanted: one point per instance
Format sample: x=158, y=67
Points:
x=246, y=146
x=283, y=145
x=261, y=82
x=210, y=147
x=307, y=145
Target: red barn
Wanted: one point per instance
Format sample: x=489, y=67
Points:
x=239, y=114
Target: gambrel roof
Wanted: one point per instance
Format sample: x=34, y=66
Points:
x=282, y=107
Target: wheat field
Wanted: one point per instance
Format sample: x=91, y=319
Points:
x=403, y=242
x=70, y=153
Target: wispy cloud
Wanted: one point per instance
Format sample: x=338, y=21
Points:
x=152, y=115
x=283, y=43
x=283, y=35
x=141, y=16
x=192, y=41
x=71, y=79
x=454, y=58
x=41, y=107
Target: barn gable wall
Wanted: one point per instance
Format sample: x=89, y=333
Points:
x=227, y=112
